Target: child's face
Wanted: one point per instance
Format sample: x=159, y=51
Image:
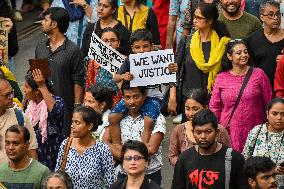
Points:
x=141, y=46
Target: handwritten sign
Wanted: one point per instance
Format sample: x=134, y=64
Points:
x=103, y=54
x=151, y=68
x=3, y=41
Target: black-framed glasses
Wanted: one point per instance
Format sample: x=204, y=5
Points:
x=198, y=17
x=135, y=158
x=9, y=94
x=272, y=15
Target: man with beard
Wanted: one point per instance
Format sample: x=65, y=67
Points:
x=10, y=115
x=65, y=61
x=208, y=164
x=264, y=46
x=239, y=23
x=260, y=173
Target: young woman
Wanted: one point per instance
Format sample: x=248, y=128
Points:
x=98, y=75
x=106, y=10
x=45, y=112
x=253, y=102
x=268, y=139
x=100, y=99
x=134, y=15
x=135, y=160
x=182, y=136
x=58, y=179
x=89, y=162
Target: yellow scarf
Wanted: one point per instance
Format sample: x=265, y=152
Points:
x=213, y=65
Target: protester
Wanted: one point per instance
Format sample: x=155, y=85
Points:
x=132, y=126
x=134, y=15
x=260, y=173
x=65, y=60
x=135, y=159
x=268, y=139
x=208, y=164
x=46, y=113
x=239, y=23
x=88, y=161
x=59, y=180
x=188, y=15
x=99, y=98
x=182, y=137
x=106, y=11
x=6, y=12
x=279, y=79
x=141, y=41
x=77, y=24
x=21, y=171
x=264, y=46
x=240, y=117
x=10, y=115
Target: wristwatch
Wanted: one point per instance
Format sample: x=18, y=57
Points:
x=76, y=104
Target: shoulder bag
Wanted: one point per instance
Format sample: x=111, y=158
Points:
x=245, y=82
x=66, y=150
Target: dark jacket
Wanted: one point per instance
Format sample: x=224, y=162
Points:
x=147, y=184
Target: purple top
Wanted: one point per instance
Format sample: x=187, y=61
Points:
x=252, y=106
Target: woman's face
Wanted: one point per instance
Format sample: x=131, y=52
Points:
x=79, y=127
x=239, y=56
x=55, y=183
x=111, y=39
x=134, y=162
x=28, y=91
x=105, y=9
x=89, y=100
x=275, y=117
x=199, y=21
x=191, y=107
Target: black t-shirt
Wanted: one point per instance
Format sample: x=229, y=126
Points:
x=194, y=171
x=263, y=53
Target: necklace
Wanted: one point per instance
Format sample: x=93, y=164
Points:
x=269, y=149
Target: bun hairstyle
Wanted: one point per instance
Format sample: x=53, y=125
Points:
x=210, y=12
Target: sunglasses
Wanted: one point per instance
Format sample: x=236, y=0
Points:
x=135, y=158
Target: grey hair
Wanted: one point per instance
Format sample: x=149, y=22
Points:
x=264, y=4
x=63, y=176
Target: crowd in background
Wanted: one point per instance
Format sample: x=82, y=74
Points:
x=85, y=127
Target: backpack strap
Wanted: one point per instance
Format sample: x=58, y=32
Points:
x=228, y=166
x=20, y=117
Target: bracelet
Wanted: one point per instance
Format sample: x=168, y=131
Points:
x=85, y=6
x=76, y=104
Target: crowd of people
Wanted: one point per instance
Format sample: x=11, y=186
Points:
x=85, y=127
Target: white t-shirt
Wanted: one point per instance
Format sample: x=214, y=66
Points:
x=132, y=129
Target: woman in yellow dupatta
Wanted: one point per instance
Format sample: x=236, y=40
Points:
x=199, y=55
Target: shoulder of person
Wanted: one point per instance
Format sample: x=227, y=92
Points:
x=4, y=166
x=187, y=153
x=255, y=35
x=249, y=16
x=90, y=28
x=237, y=157
x=179, y=127
x=149, y=184
x=39, y=167
x=259, y=72
x=119, y=184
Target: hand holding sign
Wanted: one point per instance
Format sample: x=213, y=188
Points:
x=5, y=27
x=8, y=24
x=128, y=76
x=38, y=77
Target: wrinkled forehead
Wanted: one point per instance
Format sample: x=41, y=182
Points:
x=4, y=86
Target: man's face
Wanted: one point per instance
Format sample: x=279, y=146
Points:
x=6, y=95
x=264, y=181
x=271, y=17
x=47, y=24
x=134, y=99
x=231, y=6
x=15, y=145
x=205, y=135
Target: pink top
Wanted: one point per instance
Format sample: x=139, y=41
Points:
x=252, y=106
x=179, y=142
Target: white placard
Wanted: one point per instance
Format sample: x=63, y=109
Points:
x=103, y=54
x=151, y=68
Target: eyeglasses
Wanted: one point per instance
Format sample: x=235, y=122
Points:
x=110, y=41
x=198, y=17
x=9, y=94
x=135, y=158
x=271, y=15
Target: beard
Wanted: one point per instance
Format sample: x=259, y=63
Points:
x=232, y=12
x=206, y=147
